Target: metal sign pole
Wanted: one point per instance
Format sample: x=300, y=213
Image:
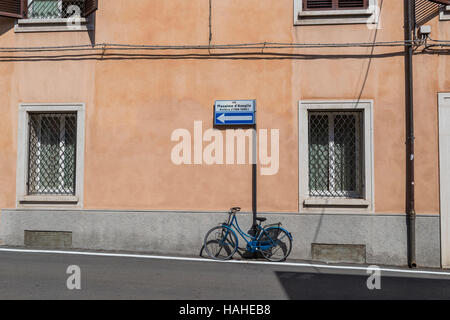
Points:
x=241, y=113
x=254, y=174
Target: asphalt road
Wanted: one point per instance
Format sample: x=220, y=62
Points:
x=25, y=275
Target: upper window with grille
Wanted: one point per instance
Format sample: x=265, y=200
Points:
x=312, y=12
x=47, y=9
x=49, y=15
x=59, y=9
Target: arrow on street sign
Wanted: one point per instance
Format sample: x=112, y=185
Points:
x=231, y=117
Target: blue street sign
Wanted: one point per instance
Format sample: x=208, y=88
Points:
x=234, y=112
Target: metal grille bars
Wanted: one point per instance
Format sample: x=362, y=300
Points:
x=335, y=154
x=51, y=154
x=55, y=9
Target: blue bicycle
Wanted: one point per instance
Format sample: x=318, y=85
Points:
x=272, y=241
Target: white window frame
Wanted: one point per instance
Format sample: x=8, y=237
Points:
x=445, y=14
x=444, y=174
x=319, y=17
x=48, y=201
x=49, y=25
x=308, y=204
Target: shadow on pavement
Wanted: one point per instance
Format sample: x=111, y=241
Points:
x=319, y=286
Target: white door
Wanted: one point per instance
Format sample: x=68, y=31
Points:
x=444, y=164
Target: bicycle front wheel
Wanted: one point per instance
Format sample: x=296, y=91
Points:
x=276, y=244
x=220, y=243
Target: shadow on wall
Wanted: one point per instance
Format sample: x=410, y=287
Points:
x=91, y=32
x=6, y=24
x=320, y=286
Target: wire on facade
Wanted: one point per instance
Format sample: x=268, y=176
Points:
x=243, y=46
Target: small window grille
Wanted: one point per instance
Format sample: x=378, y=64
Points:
x=54, y=9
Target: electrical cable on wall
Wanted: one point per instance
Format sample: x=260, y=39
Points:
x=263, y=45
x=241, y=46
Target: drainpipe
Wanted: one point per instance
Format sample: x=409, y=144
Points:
x=409, y=112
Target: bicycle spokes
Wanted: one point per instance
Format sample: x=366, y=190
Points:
x=277, y=248
x=220, y=243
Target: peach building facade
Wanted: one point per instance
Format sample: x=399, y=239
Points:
x=130, y=81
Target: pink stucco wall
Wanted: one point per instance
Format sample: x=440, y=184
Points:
x=134, y=103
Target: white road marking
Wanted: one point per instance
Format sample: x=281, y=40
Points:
x=289, y=264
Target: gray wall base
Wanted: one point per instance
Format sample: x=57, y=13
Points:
x=182, y=233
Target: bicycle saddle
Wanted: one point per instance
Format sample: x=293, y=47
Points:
x=261, y=219
x=235, y=209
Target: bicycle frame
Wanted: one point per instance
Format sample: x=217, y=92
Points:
x=253, y=244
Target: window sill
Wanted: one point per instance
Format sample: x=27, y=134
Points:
x=42, y=199
x=51, y=25
x=335, y=202
x=335, y=17
x=445, y=15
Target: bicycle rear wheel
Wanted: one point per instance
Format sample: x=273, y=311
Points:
x=220, y=243
x=276, y=244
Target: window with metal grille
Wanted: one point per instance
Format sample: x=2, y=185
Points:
x=57, y=9
x=335, y=154
x=52, y=153
x=54, y=9
x=335, y=4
